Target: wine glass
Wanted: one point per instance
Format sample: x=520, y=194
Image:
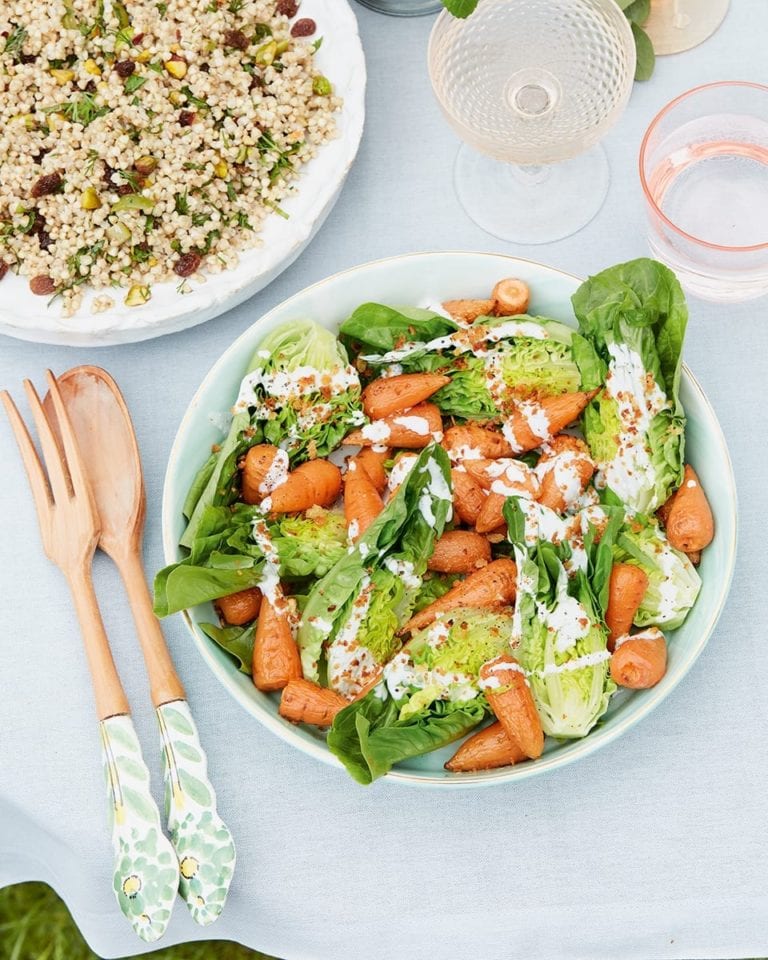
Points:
x=677, y=25
x=532, y=85
x=704, y=170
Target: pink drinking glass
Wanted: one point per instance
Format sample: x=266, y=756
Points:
x=704, y=171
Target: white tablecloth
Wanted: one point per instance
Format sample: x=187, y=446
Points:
x=656, y=847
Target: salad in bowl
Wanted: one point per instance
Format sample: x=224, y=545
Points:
x=457, y=521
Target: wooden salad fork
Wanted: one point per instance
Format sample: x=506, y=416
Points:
x=104, y=431
x=146, y=871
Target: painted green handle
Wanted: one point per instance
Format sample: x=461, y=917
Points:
x=202, y=840
x=146, y=873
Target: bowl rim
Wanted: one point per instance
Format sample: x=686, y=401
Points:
x=585, y=746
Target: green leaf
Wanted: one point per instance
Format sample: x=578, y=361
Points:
x=646, y=58
x=132, y=768
x=177, y=720
x=638, y=11
x=185, y=750
x=460, y=8
x=195, y=788
x=237, y=641
x=139, y=804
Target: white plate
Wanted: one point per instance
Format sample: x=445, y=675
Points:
x=410, y=280
x=26, y=316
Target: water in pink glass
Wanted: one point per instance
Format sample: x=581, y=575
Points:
x=707, y=186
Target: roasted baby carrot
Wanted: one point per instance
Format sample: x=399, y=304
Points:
x=640, y=661
x=492, y=586
x=372, y=462
x=264, y=467
x=241, y=607
x=388, y=395
x=510, y=297
x=690, y=524
x=468, y=310
x=362, y=503
x=507, y=691
x=468, y=497
x=626, y=590
x=564, y=470
x=505, y=475
x=491, y=517
x=305, y=702
x=472, y=442
x=315, y=483
x=276, y=658
x=460, y=551
x=412, y=429
x=532, y=423
x=488, y=748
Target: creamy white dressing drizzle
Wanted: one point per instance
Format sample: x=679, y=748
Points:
x=650, y=633
x=401, y=673
x=403, y=569
x=276, y=475
x=578, y=663
x=353, y=531
x=512, y=478
x=464, y=340
x=350, y=665
x=269, y=584
x=464, y=452
x=417, y=425
x=285, y=386
x=564, y=469
x=400, y=471
x=377, y=431
x=630, y=473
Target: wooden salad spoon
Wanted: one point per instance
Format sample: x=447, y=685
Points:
x=105, y=435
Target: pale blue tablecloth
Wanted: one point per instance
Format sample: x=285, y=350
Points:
x=656, y=847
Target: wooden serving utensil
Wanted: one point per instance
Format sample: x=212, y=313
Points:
x=146, y=871
x=105, y=435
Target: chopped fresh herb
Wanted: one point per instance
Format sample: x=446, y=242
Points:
x=130, y=177
x=209, y=241
x=140, y=253
x=266, y=144
x=124, y=38
x=235, y=6
x=155, y=66
x=134, y=83
x=195, y=101
x=317, y=44
x=162, y=8
x=176, y=245
x=194, y=166
x=149, y=223
x=182, y=204
x=231, y=192
x=198, y=219
x=261, y=30
x=15, y=40
x=278, y=210
x=241, y=219
x=79, y=271
x=83, y=110
x=93, y=156
x=29, y=226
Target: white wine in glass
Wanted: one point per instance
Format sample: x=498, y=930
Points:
x=531, y=86
x=677, y=25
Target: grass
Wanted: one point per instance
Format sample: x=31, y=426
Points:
x=36, y=925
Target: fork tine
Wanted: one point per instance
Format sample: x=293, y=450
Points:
x=77, y=472
x=52, y=454
x=39, y=485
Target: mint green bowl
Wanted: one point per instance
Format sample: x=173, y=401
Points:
x=434, y=277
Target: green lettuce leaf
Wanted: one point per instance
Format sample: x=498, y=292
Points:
x=638, y=308
x=673, y=583
x=309, y=545
x=379, y=328
x=237, y=641
x=299, y=343
x=403, y=531
x=369, y=737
